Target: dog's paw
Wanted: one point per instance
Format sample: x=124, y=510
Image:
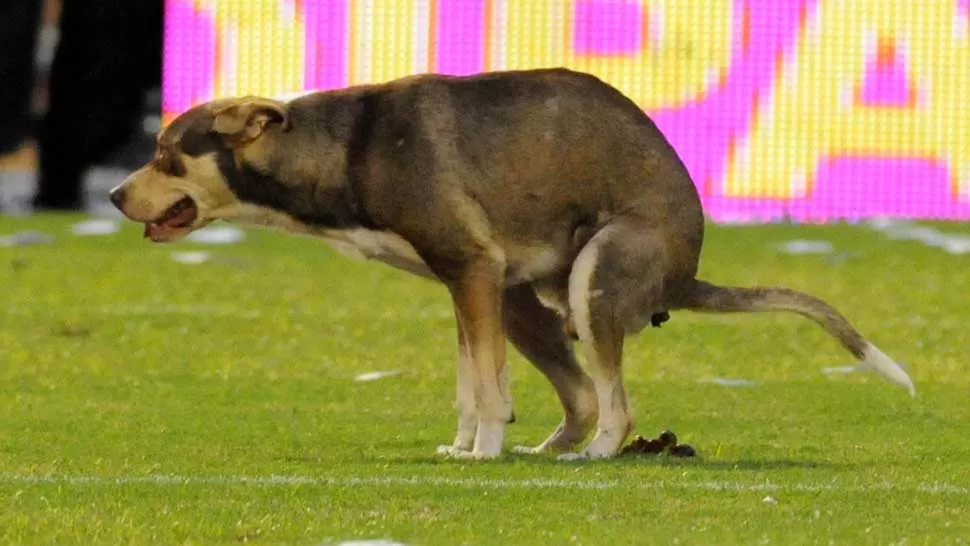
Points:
x=526, y=450
x=583, y=456
x=456, y=453
x=475, y=455
x=450, y=450
x=572, y=457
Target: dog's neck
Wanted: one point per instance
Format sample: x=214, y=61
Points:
x=311, y=190
x=310, y=172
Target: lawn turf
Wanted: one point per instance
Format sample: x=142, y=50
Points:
x=147, y=401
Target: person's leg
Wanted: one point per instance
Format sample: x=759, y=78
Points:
x=108, y=56
x=19, y=25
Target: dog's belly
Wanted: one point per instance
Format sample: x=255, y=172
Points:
x=530, y=263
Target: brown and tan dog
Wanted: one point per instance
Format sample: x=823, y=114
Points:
x=548, y=204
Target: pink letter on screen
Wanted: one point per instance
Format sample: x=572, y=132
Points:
x=886, y=81
x=608, y=27
x=325, y=52
x=459, y=38
x=705, y=132
x=189, y=70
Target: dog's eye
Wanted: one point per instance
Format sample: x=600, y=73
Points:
x=168, y=163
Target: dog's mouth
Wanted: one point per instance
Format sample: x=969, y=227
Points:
x=174, y=222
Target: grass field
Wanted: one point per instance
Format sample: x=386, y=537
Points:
x=146, y=401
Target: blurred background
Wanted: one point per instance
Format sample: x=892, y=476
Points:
x=783, y=110
x=79, y=99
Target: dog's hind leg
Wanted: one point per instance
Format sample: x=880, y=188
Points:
x=537, y=332
x=615, y=287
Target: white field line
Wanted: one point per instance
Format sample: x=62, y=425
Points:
x=151, y=309
x=467, y=483
x=211, y=310
x=155, y=309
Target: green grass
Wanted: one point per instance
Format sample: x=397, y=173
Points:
x=123, y=372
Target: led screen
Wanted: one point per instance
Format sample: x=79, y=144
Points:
x=811, y=110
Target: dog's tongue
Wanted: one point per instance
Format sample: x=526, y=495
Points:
x=177, y=216
x=155, y=231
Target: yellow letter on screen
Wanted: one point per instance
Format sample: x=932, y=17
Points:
x=260, y=47
x=389, y=39
x=661, y=53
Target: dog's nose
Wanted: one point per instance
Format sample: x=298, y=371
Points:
x=117, y=196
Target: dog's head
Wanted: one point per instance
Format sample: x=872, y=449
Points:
x=189, y=181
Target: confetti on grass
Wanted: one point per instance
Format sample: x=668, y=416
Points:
x=191, y=258
x=94, y=227
x=374, y=376
x=223, y=235
x=802, y=246
x=26, y=238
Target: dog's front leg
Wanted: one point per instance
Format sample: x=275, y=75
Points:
x=465, y=399
x=477, y=294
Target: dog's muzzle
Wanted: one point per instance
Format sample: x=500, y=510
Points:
x=174, y=222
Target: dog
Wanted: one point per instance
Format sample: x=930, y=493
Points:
x=548, y=204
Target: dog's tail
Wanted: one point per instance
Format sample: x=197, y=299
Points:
x=706, y=297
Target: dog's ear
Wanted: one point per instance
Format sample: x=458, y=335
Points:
x=245, y=119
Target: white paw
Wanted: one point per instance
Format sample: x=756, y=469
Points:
x=458, y=453
x=526, y=450
x=474, y=455
x=450, y=451
x=572, y=457
x=586, y=454
x=605, y=444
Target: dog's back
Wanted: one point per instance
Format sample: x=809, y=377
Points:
x=549, y=155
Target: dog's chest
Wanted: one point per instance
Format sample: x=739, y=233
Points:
x=382, y=246
x=358, y=243
x=524, y=263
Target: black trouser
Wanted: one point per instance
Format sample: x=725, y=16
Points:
x=18, y=39
x=109, y=54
